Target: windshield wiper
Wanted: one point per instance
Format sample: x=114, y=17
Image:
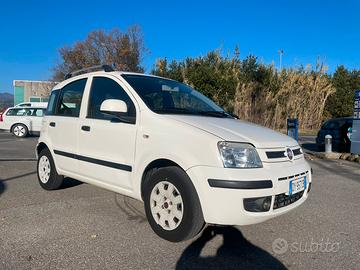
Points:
x=215, y=113
x=221, y=114
x=175, y=111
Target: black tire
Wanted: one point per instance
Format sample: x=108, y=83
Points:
x=20, y=130
x=192, y=219
x=54, y=180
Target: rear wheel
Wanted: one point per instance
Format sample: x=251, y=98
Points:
x=48, y=177
x=172, y=205
x=20, y=130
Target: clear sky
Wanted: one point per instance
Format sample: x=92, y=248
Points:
x=32, y=31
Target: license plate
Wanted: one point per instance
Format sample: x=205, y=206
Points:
x=297, y=185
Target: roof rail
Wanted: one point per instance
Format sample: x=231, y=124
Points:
x=106, y=68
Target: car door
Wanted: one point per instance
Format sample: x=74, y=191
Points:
x=106, y=143
x=36, y=119
x=27, y=119
x=62, y=124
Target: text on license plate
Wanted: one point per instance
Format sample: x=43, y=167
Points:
x=297, y=185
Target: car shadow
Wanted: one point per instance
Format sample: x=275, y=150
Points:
x=235, y=252
x=69, y=183
x=133, y=209
x=2, y=187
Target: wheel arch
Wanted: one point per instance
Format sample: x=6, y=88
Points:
x=44, y=144
x=19, y=123
x=156, y=164
x=41, y=146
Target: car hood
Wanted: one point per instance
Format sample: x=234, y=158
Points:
x=230, y=129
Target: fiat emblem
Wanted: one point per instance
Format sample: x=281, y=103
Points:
x=289, y=153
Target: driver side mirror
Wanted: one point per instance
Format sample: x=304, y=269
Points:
x=118, y=109
x=113, y=107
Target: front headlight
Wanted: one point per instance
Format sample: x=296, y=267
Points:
x=239, y=155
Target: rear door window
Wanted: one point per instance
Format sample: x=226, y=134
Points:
x=29, y=112
x=70, y=99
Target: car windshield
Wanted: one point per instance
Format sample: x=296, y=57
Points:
x=171, y=97
x=333, y=124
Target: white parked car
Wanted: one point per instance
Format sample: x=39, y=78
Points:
x=32, y=104
x=22, y=121
x=162, y=142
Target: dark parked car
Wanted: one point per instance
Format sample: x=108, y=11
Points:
x=339, y=129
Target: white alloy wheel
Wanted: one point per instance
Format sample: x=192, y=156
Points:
x=19, y=131
x=44, y=169
x=166, y=205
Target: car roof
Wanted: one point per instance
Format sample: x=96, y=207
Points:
x=30, y=102
x=114, y=73
x=340, y=118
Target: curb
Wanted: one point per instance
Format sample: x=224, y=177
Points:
x=334, y=156
x=350, y=157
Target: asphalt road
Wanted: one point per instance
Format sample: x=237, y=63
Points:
x=84, y=227
x=12, y=148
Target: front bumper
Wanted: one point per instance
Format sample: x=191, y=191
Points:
x=225, y=206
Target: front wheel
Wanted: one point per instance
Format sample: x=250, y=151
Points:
x=172, y=205
x=20, y=130
x=48, y=177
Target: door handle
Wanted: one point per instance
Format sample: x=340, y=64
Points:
x=85, y=128
x=52, y=124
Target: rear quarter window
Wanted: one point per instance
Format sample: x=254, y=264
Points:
x=50, y=110
x=16, y=112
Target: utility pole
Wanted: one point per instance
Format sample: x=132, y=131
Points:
x=280, y=52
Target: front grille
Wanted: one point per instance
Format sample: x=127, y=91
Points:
x=292, y=176
x=275, y=154
x=297, y=151
x=282, y=199
x=281, y=154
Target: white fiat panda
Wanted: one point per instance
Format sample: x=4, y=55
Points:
x=162, y=142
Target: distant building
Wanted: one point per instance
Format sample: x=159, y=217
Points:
x=31, y=91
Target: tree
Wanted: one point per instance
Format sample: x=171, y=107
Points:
x=255, y=91
x=341, y=103
x=124, y=51
x=214, y=75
